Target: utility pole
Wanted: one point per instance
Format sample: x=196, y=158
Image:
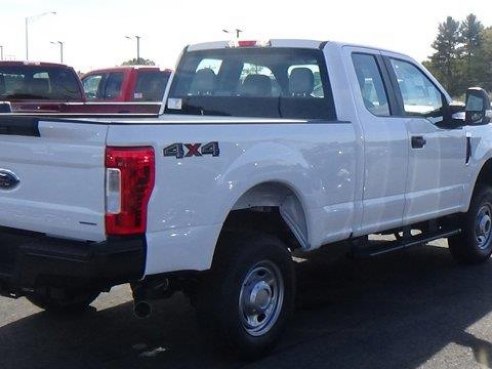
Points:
x=137, y=38
x=237, y=31
x=26, y=24
x=60, y=43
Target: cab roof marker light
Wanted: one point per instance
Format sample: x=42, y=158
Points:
x=249, y=43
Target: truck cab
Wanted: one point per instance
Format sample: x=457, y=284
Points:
x=127, y=83
x=37, y=86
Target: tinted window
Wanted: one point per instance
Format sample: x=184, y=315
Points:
x=371, y=84
x=112, y=87
x=420, y=96
x=39, y=82
x=253, y=82
x=150, y=86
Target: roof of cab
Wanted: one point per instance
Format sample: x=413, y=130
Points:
x=290, y=43
x=20, y=63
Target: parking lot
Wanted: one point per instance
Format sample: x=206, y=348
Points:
x=413, y=309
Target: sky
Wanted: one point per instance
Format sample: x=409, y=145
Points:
x=93, y=31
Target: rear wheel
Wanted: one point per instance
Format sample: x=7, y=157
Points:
x=248, y=296
x=474, y=244
x=62, y=301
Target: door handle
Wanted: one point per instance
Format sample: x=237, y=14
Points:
x=468, y=149
x=418, y=142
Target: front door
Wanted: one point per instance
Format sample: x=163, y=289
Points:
x=437, y=152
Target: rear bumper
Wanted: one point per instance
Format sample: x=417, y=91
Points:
x=30, y=260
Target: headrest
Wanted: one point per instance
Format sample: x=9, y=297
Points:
x=203, y=83
x=301, y=81
x=39, y=86
x=257, y=85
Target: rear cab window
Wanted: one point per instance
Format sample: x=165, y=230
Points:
x=266, y=82
x=35, y=82
x=150, y=86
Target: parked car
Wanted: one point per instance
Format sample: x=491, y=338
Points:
x=127, y=83
x=38, y=87
x=247, y=166
x=32, y=87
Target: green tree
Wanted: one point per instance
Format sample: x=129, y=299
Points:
x=444, y=63
x=486, y=59
x=140, y=61
x=471, y=34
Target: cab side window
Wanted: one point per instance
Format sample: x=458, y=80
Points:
x=371, y=84
x=420, y=96
x=92, y=85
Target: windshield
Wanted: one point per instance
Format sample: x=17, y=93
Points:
x=253, y=82
x=29, y=82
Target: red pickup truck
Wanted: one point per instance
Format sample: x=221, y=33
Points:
x=125, y=84
x=32, y=87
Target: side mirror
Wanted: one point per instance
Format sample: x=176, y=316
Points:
x=477, y=109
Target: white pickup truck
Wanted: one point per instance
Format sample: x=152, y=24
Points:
x=264, y=148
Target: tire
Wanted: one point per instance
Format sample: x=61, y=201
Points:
x=62, y=301
x=248, y=296
x=474, y=244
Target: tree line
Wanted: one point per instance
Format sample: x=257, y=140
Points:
x=463, y=56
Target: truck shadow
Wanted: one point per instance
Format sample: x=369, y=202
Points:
x=395, y=311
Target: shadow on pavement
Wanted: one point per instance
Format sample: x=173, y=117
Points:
x=395, y=311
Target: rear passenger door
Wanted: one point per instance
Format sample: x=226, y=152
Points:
x=437, y=151
x=385, y=142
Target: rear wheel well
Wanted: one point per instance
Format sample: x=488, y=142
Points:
x=271, y=208
x=265, y=220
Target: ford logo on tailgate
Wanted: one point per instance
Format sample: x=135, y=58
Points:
x=8, y=180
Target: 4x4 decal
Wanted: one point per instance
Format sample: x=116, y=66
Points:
x=188, y=150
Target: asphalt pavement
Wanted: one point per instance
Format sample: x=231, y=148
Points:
x=411, y=309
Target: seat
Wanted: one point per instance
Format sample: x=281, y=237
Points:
x=257, y=85
x=301, y=82
x=39, y=87
x=2, y=85
x=203, y=82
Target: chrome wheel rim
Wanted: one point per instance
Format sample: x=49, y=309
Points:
x=261, y=298
x=483, y=226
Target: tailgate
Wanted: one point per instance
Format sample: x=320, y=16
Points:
x=52, y=177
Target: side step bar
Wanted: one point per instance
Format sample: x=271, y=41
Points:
x=365, y=251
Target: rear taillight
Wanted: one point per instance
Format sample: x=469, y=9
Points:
x=130, y=175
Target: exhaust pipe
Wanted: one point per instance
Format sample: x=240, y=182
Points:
x=142, y=309
x=147, y=290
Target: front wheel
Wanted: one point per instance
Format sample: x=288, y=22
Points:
x=474, y=244
x=248, y=296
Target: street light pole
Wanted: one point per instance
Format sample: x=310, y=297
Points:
x=26, y=24
x=136, y=37
x=1, y=52
x=61, y=48
x=237, y=31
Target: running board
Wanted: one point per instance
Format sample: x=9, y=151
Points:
x=385, y=247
